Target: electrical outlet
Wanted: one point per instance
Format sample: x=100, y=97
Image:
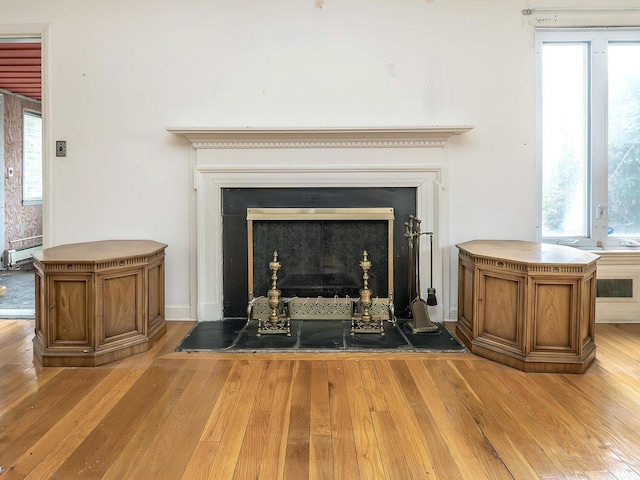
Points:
x=61, y=148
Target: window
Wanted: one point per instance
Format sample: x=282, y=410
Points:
x=588, y=85
x=32, y=158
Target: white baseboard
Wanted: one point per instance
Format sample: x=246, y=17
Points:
x=634, y=319
x=178, y=313
x=17, y=313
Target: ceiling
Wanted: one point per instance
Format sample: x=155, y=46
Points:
x=21, y=68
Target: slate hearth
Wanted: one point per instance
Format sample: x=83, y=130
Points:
x=236, y=335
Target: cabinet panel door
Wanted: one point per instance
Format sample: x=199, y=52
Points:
x=588, y=317
x=120, y=307
x=39, y=305
x=555, y=316
x=465, y=296
x=155, y=306
x=501, y=309
x=70, y=315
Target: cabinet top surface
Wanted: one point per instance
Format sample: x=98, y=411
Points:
x=98, y=251
x=527, y=252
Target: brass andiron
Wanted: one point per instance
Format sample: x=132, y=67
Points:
x=278, y=322
x=362, y=321
x=274, y=294
x=365, y=293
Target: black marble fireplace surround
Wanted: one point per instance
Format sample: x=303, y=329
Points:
x=329, y=250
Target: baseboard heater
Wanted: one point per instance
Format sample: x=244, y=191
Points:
x=13, y=256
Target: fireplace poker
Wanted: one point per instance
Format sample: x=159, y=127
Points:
x=410, y=233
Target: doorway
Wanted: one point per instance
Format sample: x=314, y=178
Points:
x=21, y=191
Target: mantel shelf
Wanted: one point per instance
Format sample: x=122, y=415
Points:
x=348, y=137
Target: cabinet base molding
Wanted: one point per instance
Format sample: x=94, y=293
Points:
x=94, y=358
x=543, y=363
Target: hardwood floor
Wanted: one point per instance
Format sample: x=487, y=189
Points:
x=169, y=415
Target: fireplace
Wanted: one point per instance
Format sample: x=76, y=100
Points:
x=311, y=160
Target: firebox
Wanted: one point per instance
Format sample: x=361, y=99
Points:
x=320, y=235
x=319, y=249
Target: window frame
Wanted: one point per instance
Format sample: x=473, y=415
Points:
x=30, y=200
x=598, y=40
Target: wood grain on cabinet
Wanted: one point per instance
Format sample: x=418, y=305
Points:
x=527, y=305
x=98, y=301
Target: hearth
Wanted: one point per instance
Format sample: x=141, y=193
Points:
x=235, y=335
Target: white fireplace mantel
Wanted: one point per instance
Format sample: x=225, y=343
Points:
x=313, y=157
x=351, y=137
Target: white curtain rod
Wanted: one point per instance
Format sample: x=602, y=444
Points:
x=529, y=11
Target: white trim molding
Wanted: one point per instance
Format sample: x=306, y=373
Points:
x=375, y=137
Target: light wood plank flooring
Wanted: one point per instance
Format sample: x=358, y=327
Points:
x=170, y=415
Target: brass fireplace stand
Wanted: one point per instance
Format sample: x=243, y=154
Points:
x=277, y=321
x=362, y=321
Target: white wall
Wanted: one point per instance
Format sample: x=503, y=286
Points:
x=120, y=72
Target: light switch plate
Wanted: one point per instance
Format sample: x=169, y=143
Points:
x=61, y=148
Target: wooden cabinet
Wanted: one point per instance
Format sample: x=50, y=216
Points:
x=98, y=301
x=528, y=305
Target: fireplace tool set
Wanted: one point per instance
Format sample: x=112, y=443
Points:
x=367, y=314
x=420, y=323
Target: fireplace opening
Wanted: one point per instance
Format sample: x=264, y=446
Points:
x=320, y=250
x=319, y=258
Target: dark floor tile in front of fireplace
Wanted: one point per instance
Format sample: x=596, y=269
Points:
x=249, y=339
x=392, y=339
x=322, y=334
x=236, y=335
x=213, y=335
x=438, y=340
